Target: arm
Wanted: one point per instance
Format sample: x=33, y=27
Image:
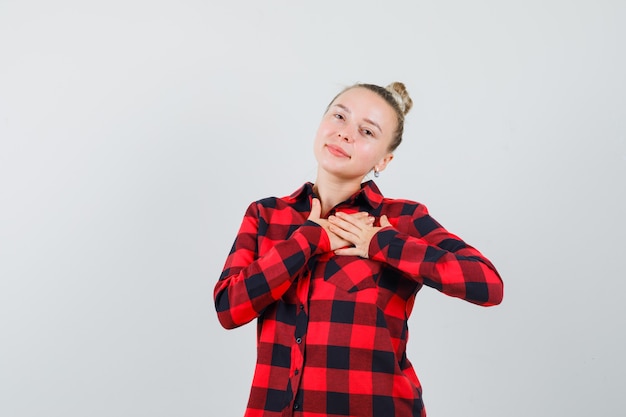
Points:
x=435, y=257
x=249, y=282
x=427, y=253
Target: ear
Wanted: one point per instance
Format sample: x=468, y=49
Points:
x=382, y=164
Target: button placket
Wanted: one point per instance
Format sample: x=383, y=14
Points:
x=301, y=325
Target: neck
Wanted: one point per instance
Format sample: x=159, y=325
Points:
x=332, y=190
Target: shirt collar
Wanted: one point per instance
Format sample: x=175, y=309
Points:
x=369, y=192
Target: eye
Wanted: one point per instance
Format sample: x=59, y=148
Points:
x=338, y=116
x=367, y=132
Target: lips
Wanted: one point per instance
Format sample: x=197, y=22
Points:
x=337, y=151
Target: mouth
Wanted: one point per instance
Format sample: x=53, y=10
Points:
x=337, y=151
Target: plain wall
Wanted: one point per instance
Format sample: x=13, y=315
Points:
x=133, y=135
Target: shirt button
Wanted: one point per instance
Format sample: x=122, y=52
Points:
x=301, y=306
x=296, y=406
x=296, y=372
x=298, y=340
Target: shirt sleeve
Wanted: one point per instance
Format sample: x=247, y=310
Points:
x=249, y=282
x=431, y=255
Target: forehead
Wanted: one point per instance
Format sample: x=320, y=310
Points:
x=365, y=103
x=359, y=93
x=363, y=99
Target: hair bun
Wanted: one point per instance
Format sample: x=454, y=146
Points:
x=399, y=93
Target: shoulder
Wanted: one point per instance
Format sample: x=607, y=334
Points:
x=297, y=201
x=409, y=216
x=403, y=207
x=267, y=205
x=392, y=207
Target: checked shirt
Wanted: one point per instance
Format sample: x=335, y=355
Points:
x=332, y=330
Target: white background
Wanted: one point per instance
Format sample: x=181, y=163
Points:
x=133, y=135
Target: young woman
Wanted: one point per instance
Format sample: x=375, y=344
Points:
x=331, y=273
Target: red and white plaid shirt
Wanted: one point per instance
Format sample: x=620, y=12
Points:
x=332, y=330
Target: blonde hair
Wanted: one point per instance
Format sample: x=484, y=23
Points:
x=396, y=95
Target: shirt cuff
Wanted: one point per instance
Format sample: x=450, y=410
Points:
x=381, y=240
x=316, y=236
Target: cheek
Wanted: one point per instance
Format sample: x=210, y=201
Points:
x=318, y=142
x=371, y=152
x=318, y=138
x=324, y=129
x=367, y=149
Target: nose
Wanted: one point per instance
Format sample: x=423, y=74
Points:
x=344, y=136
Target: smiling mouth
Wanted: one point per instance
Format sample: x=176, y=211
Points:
x=337, y=151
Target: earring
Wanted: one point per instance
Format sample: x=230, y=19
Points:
x=376, y=173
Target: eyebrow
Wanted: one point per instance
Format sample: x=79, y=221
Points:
x=347, y=110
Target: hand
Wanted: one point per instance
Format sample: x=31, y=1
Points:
x=316, y=211
x=358, y=230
